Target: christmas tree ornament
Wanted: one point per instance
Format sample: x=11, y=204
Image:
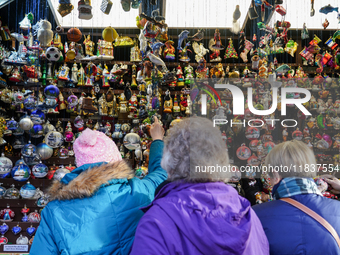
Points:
x=252, y=133
x=63, y=153
x=297, y=135
x=78, y=122
x=3, y=240
x=38, y=194
x=21, y=173
x=27, y=191
x=7, y=215
x=22, y=240
x=268, y=146
x=65, y=7
x=253, y=160
x=106, y=6
x=5, y=166
x=54, y=139
x=109, y=34
x=16, y=229
x=60, y=173
x=2, y=191
x=29, y=150
x=85, y=9
x=30, y=230
x=243, y=152
x=40, y=170
x=53, y=54
x=51, y=91
x=36, y=131
x=74, y=34
x=131, y=141
x=12, y=193
x=45, y=33
x=25, y=123
x=48, y=127
x=37, y=117
x=3, y=228
x=199, y=50
x=12, y=124
x=230, y=51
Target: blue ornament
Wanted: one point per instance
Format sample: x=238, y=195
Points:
x=5, y=166
x=20, y=161
x=3, y=228
x=12, y=124
x=40, y=170
x=2, y=191
x=21, y=173
x=51, y=91
x=44, y=151
x=16, y=229
x=37, y=117
x=24, y=218
x=30, y=103
x=36, y=131
x=30, y=230
x=27, y=191
x=29, y=150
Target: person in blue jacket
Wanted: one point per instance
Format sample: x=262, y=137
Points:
x=95, y=208
x=289, y=230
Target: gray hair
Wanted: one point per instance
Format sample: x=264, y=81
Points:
x=194, y=151
x=295, y=156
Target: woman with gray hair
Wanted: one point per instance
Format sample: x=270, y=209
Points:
x=196, y=212
x=290, y=230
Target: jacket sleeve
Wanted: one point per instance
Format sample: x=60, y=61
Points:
x=44, y=240
x=156, y=173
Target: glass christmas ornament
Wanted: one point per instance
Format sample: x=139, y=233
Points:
x=78, y=122
x=34, y=217
x=43, y=201
x=22, y=240
x=30, y=230
x=44, y=151
x=2, y=191
x=29, y=150
x=31, y=161
x=60, y=173
x=19, y=97
x=19, y=131
x=297, y=135
x=38, y=194
x=19, y=142
x=126, y=127
x=253, y=160
x=268, y=146
x=37, y=117
x=253, y=144
x=328, y=139
x=51, y=92
x=3, y=240
x=63, y=153
x=21, y=173
x=12, y=124
x=26, y=123
x=24, y=218
x=243, y=152
x=252, y=133
x=12, y=193
x=7, y=215
x=40, y=170
x=36, y=131
x=54, y=139
x=48, y=127
x=5, y=166
x=30, y=103
x=131, y=141
x=25, y=210
x=16, y=229
x=27, y=191
x=20, y=161
x=4, y=228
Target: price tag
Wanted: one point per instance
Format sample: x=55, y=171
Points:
x=14, y=247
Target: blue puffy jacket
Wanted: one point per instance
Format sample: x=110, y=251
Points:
x=290, y=231
x=95, y=209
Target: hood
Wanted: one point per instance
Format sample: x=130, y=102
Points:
x=84, y=181
x=213, y=213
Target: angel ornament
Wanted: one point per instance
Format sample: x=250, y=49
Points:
x=215, y=55
x=199, y=50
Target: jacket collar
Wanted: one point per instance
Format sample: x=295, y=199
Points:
x=87, y=179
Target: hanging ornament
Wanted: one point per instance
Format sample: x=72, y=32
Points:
x=78, y=122
x=21, y=172
x=36, y=131
x=63, y=153
x=27, y=191
x=12, y=124
x=5, y=166
x=3, y=228
x=60, y=173
x=22, y=240
x=268, y=146
x=7, y=215
x=44, y=151
x=243, y=152
x=131, y=141
x=16, y=229
x=252, y=133
x=51, y=92
x=12, y=193
x=29, y=150
x=54, y=139
x=26, y=123
x=297, y=135
x=230, y=51
x=253, y=160
x=30, y=230
x=2, y=191
x=37, y=117
x=85, y=9
x=3, y=240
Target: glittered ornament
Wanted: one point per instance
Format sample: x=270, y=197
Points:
x=51, y=91
x=27, y=191
x=22, y=240
x=16, y=229
x=252, y=133
x=26, y=123
x=12, y=193
x=29, y=150
x=243, y=152
x=230, y=51
x=12, y=124
x=37, y=117
x=44, y=151
x=131, y=141
x=5, y=166
x=36, y=131
x=4, y=228
x=7, y=215
x=21, y=173
x=40, y=170
x=60, y=173
x=54, y=139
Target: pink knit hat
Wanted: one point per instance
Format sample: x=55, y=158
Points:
x=94, y=146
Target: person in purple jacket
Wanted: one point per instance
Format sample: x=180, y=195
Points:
x=196, y=212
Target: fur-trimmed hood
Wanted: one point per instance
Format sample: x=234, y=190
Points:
x=89, y=181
